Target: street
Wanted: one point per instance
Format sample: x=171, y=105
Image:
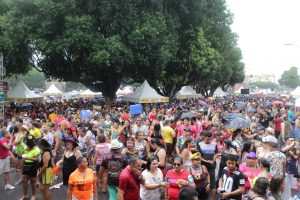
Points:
x=57, y=193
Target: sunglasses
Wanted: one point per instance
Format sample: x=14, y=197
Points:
x=177, y=164
x=197, y=159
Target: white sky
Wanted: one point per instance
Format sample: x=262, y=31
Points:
x=263, y=27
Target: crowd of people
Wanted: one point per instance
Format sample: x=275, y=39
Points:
x=182, y=150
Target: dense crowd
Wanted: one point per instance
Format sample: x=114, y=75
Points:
x=244, y=147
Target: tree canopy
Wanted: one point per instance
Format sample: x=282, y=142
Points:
x=100, y=43
x=290, y=78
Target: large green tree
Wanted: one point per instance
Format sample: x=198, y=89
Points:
x=290, y=78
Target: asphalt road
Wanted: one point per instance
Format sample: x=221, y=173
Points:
x=59, y=193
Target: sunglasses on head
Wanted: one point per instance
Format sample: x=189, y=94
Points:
x=177, y=164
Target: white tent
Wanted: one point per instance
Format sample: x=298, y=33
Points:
x=296, y=92
x=219, y=92
x=186, y=92
x=21, y=93
x=87, y=94
x=145, y=94
x=52, y=91
x=70, y=95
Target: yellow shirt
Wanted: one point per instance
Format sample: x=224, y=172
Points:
x=167, y=133
x=52, y=116
x=35, y=132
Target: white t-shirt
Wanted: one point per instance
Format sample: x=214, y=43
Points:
x=151, y=179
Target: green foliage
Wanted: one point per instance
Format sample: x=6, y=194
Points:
x=100, y=43
x=290, y=78
x=264, y=85
x=33, y=79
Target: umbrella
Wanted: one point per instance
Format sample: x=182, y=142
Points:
x=231, y=116
x=202, y=103
x=278, y=102
x=239, y=123
x=251, y=110
x=240, y=105
x=188, y=115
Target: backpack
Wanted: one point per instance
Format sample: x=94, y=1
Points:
x=114, y=167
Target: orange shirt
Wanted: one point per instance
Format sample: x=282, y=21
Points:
x=82, y=187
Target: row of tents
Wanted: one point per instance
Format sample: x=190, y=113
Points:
x=144, y=94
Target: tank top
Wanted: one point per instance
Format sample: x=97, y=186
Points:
x=50, y=161
x=155, y=154
x=200, y=178
x=188, y=162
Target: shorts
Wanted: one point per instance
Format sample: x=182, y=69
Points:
x=47, y=177
x=4, y=165
x=30, y=169
x=169, y=149
x=97, y=168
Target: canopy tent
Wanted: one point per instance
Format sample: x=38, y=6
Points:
x=219, y=92
x=186, y=92
x=145, y=94
x=296, y=92
x=70, y=95
x=87, y=94
x=21, y=93
x=52, y=91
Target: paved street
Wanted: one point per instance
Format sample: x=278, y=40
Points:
x=57, y=193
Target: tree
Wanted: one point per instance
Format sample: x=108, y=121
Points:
x=264, y=85
x=290, y=78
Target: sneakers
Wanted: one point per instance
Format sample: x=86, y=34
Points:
x=9, y=187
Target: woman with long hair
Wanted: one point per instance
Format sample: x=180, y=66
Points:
x=45, y=175
x=125, y=132
x=71, y=154
x=82, y=183
x=161, y=154
x=186, y=153
x=153, y=176
x=277, y=186
x=142, y=146
x=30, y=167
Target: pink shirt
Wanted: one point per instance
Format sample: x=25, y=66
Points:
x=3, y=150
x=103, y=151
x=249, y=174
x=194, y=130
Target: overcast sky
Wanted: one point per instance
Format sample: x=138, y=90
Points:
x=264, y=26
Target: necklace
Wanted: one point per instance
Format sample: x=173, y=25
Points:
x=294, y=154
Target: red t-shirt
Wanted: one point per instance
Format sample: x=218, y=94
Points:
x=125, y=116
x=277, y=123
x=3, y=150
x=172, y=178
x=129, y=185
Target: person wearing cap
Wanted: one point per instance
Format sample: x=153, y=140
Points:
x=250, y=170
x=71, y=154
x=200, y=176
x=113, y=165
x=276, y=158
x=45, y=175
x=181, y=140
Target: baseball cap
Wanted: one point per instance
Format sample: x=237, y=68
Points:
x=251, y=155
x=269, y=138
